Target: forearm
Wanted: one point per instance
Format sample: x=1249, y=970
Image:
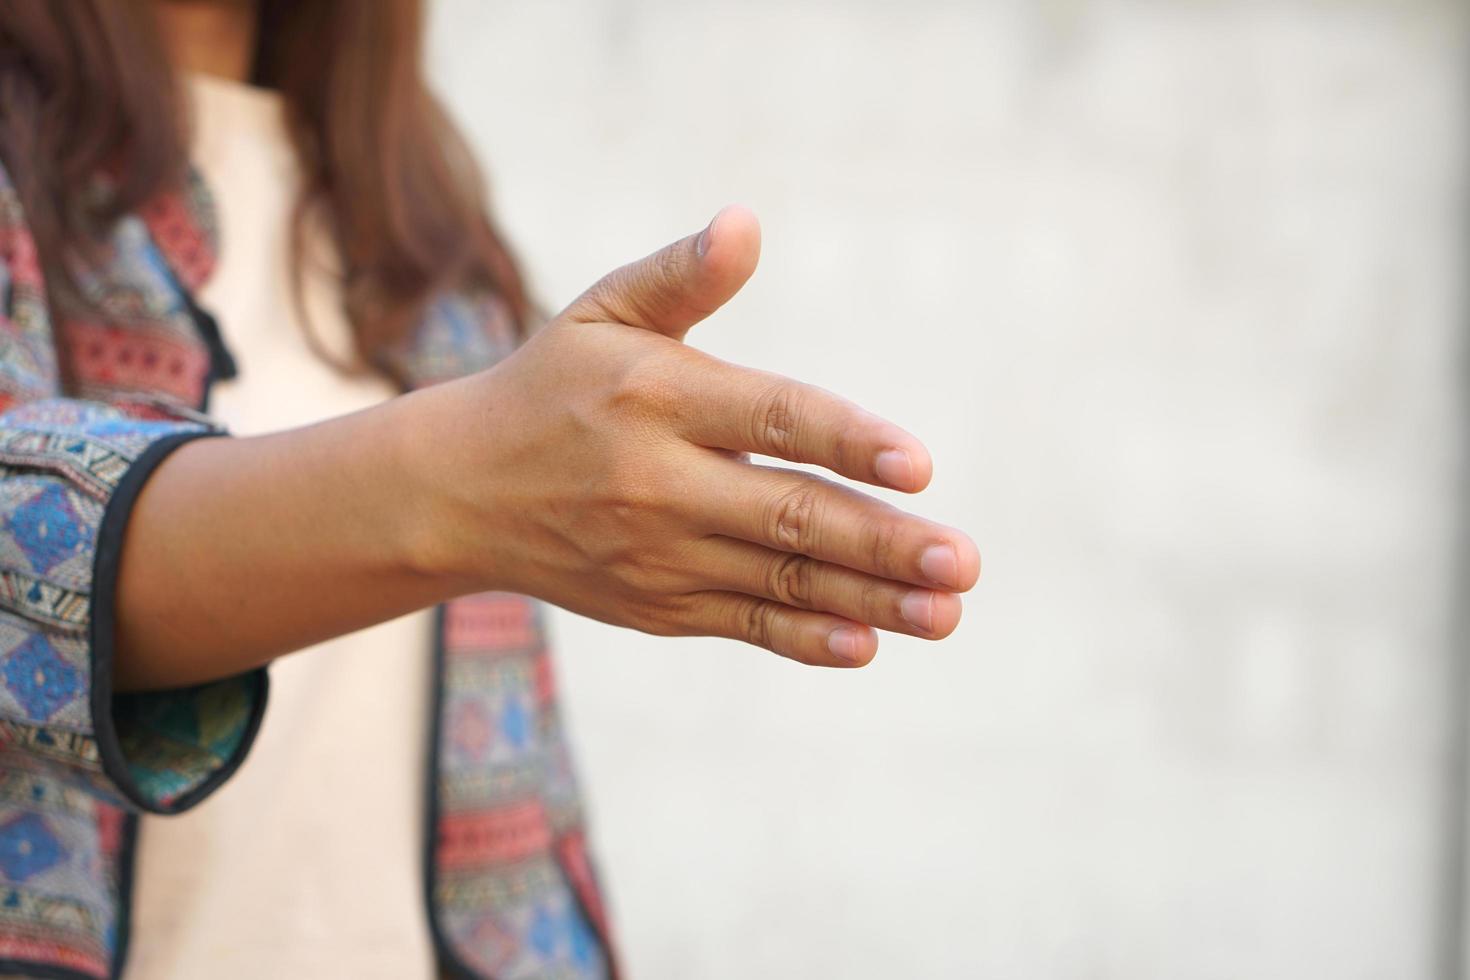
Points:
x=239, y=550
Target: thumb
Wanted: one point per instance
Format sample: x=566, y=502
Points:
x=681, y=284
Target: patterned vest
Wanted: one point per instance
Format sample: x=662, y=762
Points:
x=509, y=886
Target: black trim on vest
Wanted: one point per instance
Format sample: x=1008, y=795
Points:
x=222, y=366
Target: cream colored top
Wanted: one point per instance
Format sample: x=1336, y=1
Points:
x=308, y=863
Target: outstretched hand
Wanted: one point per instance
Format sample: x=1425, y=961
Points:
x=615, y=481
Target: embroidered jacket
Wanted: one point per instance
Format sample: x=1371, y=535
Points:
x=508, y=882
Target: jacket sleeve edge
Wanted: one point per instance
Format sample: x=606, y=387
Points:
x=101, y=633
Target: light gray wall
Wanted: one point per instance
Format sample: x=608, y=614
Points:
x=1175, y=294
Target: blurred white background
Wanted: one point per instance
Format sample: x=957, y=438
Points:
x=1175, y=293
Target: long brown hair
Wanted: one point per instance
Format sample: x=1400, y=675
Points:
x=86, y=87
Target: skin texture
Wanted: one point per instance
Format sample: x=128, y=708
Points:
x=604, y=467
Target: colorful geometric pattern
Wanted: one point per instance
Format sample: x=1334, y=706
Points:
x=27, y=847
x=40, y=681
x=510, y=885
x=505, y=806
x=60, y=875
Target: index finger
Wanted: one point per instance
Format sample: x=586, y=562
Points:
x=755, y=411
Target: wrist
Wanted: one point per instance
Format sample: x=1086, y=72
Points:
x=432, y=537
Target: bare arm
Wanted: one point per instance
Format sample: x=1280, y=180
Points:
x=601, y=468
x=239, y=550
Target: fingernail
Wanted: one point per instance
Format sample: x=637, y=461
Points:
x=917, y=609
x=895, y=468
x=843, y=644
x=939, y=563
x=706, y=237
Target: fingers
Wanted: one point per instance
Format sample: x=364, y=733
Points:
x=807, y=583
x=742, y=410
x=678, y=286
x=804, y=514
x=753, y=411
x=814, y=638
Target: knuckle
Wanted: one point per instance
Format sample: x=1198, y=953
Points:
x=649, y=574
x=884, y=539
x=875, y=601
x=775, y=421
x=630, y=489
x=640, y=384
x=793, y=519
x=668, y=616
x=624, y=507
x=757, y=623
x=790, y=580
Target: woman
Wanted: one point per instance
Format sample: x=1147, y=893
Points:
x=392, y=450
